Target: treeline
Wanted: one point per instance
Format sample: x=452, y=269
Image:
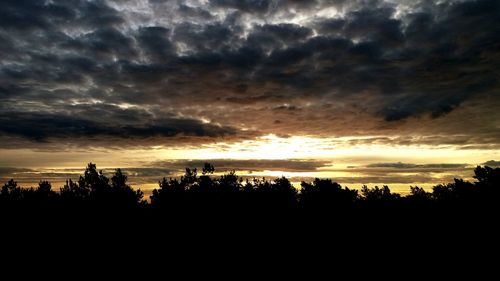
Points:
x=205, y=193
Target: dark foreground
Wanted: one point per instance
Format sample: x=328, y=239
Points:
x=198, y=217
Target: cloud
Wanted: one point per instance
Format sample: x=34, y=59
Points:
x=91, y=122
x=400, y=165
x=491, y=163
x=422, y=69
x=156, y=43
x=251, y=6
x=254, y=165
x=28, y=15
x=4, y=171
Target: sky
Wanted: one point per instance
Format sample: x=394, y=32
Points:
x=400, y=92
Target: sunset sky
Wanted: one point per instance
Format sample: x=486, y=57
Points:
x=397, y=92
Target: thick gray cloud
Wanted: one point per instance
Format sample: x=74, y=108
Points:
x=253, y=6
x=113, y=124
x=221, y=68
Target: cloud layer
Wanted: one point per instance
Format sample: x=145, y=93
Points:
x=173, y=72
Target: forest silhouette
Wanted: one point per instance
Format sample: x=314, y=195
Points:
x=205, y=213
x=204, y=194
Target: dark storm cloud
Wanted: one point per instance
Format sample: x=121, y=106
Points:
x=156, y=43
x=105, y=41
x=271, y=36
x=362, y=67
x=25, y=15
x=211, y=36
x=104, y=121
x=256, y=6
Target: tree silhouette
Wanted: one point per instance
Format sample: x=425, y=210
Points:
x=171, y=194
x=323, y=194
x=11, y=191
x=274, y=196
x=95, y=188
x=44, y=187
x=208, y=169
x=122, y=193
x=73, y=191
x=487, y=175
x=43, y=194
x=488, y=183
x=229, y=182
x=377, y=194
x=459, y=190
x=418, y=192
